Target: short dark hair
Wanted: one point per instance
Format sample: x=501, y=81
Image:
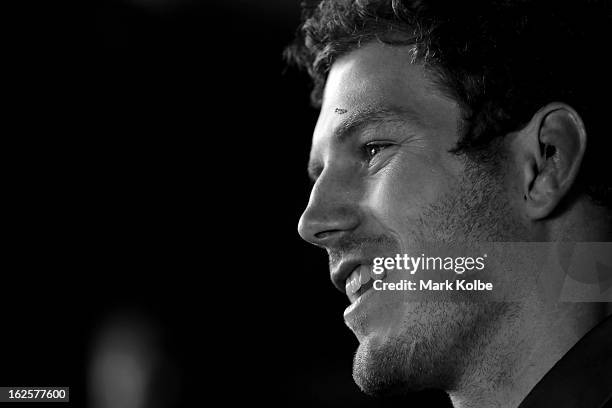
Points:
x=501, y=60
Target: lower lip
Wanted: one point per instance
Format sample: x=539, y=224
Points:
x=361, y=299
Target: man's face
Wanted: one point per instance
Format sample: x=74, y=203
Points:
x=386, y=184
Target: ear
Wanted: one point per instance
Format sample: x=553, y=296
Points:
x=551, y=148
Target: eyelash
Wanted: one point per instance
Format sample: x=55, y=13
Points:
x=367, y=148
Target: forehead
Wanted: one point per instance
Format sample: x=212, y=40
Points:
x=379, y=76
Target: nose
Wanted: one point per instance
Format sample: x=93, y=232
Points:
x=332, y=212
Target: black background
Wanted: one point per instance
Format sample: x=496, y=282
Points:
x=155, y=160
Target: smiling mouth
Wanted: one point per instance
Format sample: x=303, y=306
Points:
x=360, y=281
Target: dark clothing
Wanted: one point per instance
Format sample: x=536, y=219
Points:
x=582, y=378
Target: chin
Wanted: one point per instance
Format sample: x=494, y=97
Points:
x=427, y=349
x=395, y=366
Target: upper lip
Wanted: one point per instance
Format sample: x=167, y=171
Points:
x=342, y=272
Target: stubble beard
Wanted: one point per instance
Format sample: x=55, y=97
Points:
x=437, y=342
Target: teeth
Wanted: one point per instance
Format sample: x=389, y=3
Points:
x=352, y=283
x=364, y=275
x=359, y=277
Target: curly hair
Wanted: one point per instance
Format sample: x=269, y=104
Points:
x=501, y=60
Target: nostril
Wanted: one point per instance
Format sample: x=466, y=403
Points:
x=326, y=234
x=321, y=224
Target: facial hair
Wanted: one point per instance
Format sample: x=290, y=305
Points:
x=439, y=340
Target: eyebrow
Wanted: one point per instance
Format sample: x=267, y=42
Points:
x=373, y=115
x=357, y=120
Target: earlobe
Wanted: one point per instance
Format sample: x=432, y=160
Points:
x=555, y=142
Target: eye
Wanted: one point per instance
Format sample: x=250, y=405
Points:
x=373, y=148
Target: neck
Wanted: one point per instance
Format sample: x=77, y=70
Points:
x=511, y=364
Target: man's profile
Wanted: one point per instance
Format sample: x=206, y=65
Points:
x=460, y=122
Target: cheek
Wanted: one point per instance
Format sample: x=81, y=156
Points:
x=397, y=195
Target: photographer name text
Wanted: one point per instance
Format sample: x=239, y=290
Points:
x=430, y=285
